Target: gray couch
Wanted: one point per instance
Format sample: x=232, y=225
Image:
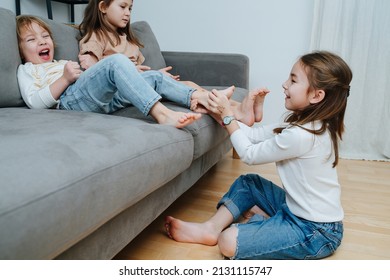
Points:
x=76, y=185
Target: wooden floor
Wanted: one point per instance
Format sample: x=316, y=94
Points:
x=365, y=198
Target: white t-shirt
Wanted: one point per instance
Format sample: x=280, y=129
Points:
x=304, y=163
x=34, y=83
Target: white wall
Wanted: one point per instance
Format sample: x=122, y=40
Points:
x=61, y=12
x=273, y=34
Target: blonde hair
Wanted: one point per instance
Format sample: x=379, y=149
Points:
x=25, y=21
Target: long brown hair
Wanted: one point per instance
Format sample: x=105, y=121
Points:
x=95, y=22
x=328, y=72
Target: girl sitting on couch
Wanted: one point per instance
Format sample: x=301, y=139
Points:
x=106, y=30
x=110, y=85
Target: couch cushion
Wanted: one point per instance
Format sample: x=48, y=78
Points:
x=76, y=171
x=9, y=61
x=207, y=132
x=66, y=40
x=151, y=50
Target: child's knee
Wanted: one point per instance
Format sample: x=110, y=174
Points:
x=117, y=57
x=227, y=242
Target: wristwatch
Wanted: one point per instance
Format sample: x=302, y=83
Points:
x=227, y=120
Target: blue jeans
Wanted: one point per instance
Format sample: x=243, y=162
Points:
x=115, y=83
x=283, y=235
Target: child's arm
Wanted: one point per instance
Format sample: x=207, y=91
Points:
x=71, y=73
x=91, y=51
x=36, y=86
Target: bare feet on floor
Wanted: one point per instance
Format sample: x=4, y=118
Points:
x=188, y=232
x=251, y=212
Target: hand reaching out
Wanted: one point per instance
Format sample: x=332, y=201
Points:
x=166, y=72
x=142, y=68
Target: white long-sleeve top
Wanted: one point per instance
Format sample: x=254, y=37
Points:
x=34, y=83
x=304, y=163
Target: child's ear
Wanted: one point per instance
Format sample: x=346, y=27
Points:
x=102, y=7
x=317, y=96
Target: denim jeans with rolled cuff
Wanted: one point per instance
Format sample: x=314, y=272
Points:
x=115, y=83
x=281, y=236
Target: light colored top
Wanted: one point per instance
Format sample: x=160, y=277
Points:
x=304, y=163
x=103, y=48
x=34, y=83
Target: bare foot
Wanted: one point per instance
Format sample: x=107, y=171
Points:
x=201, y=109
x=251, y=108
x=244, y=112
x=253, y=211
x=187, y=232
x=202, y=97
x=196, y=107
x=259, y=104
x=180, y=119
x=164, y=115
x=228, y=91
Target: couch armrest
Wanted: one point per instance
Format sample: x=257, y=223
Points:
x=210, y=69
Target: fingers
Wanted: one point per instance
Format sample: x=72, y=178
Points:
x=215, y=104
x=213, y=100
x=142, y=68
x=217, y=98
x=83, y=57
x=262, y=91
x=87, y=60
x=73, y=65
x=72, y=71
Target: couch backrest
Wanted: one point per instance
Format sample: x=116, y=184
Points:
x=151, y=50
x=66, y=40
x=9, y=61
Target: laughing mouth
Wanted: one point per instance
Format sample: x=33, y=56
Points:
x=44, y=53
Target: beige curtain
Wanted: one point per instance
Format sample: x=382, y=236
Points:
x=359, y=31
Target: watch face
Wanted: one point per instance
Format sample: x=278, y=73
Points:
x=227, y=120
